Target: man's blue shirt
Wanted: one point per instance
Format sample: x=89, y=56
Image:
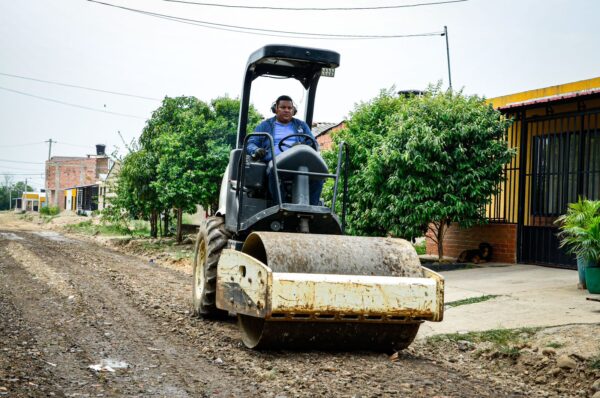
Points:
x=296, y=126
x=281, y=131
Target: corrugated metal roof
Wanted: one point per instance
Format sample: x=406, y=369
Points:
x=323, y=127
x=552, y=98
x=546, y=94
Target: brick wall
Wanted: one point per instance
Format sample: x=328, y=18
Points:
x=324, y=139
x=62, y=172
x=502, y=237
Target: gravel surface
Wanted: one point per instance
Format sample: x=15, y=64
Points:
x=69, y=304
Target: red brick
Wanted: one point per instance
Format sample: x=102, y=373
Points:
x=502, y=237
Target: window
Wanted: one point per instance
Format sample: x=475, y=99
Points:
x=555, y=166
x=564, y=168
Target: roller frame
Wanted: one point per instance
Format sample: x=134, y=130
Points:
x=247, y=286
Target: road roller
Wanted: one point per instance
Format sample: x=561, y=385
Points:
x=285, y=267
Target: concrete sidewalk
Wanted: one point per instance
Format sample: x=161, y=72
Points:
x=529, y=295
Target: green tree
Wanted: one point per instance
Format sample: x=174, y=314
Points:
x=9, y=191
x=178, y=160
x=423, y=162
x=135, y=194
x=192, y=140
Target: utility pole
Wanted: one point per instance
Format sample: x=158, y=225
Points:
x=448, y=56
x=45, y=172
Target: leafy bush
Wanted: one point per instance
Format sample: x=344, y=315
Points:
x=420, y=248
x=49, y=210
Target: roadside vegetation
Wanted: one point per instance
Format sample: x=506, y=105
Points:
x=595, y=362
x=471, y=300
x=88, y=227
x=506, y=342
x=420, y=248
x=499, y=337
x=49, y=211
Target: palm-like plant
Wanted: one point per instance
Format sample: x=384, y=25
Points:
x=580, y=229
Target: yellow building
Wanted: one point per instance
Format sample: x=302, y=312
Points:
x=70, y=199
x=556, y=132
x=32, y=201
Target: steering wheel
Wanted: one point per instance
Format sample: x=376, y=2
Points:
x=306, y=137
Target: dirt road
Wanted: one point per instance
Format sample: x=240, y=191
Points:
x=67, y=304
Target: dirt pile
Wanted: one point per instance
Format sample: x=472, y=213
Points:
x=558, y=361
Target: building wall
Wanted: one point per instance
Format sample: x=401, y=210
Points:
x=64, y=173
x=502, y=237
x=324, y=139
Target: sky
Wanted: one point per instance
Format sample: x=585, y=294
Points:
x=497, y=47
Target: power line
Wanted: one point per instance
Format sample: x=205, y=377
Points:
x=18, y=168
x=264, y=32
x=18, y=145
x=75, y=145
x=70, y=104
x=52, y=163
x=80, y=87
x=389, y=7
x=19, y=161
x=21, y=174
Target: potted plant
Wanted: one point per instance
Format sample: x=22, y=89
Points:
x=579, y=233
x=590, y=240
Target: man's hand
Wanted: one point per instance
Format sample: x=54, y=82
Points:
x=259, y=154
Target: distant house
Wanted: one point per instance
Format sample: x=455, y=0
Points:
x=322, y=132
x=31, y=201
x=82, y=199
x=69, y=172
x=556, y=131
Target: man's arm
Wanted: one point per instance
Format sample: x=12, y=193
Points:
x=255, y=142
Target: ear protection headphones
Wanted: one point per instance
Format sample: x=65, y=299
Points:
x=284, y=98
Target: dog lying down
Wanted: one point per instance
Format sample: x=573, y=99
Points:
x=477, y=256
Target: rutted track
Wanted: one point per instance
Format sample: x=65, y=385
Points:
x=76, y=303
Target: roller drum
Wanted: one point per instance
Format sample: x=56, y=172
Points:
x=334, y=254
x=347, y=336
x=330, y=254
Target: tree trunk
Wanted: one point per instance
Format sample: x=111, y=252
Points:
x=166, y=222
x=440, y=240
x=161, y=231
x=153, y=220
x=179, y=221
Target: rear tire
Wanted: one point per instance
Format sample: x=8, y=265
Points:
x=212, y=238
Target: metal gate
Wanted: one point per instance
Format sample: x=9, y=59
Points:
x=561, y=159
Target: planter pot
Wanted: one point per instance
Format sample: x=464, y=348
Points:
x=581, y=263
x=592, y=279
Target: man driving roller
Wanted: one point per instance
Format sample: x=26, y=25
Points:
x=280, y=126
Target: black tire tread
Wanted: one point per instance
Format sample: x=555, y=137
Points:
x=216, y=236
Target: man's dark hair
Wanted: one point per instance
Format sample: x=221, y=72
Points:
x=283, y=98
